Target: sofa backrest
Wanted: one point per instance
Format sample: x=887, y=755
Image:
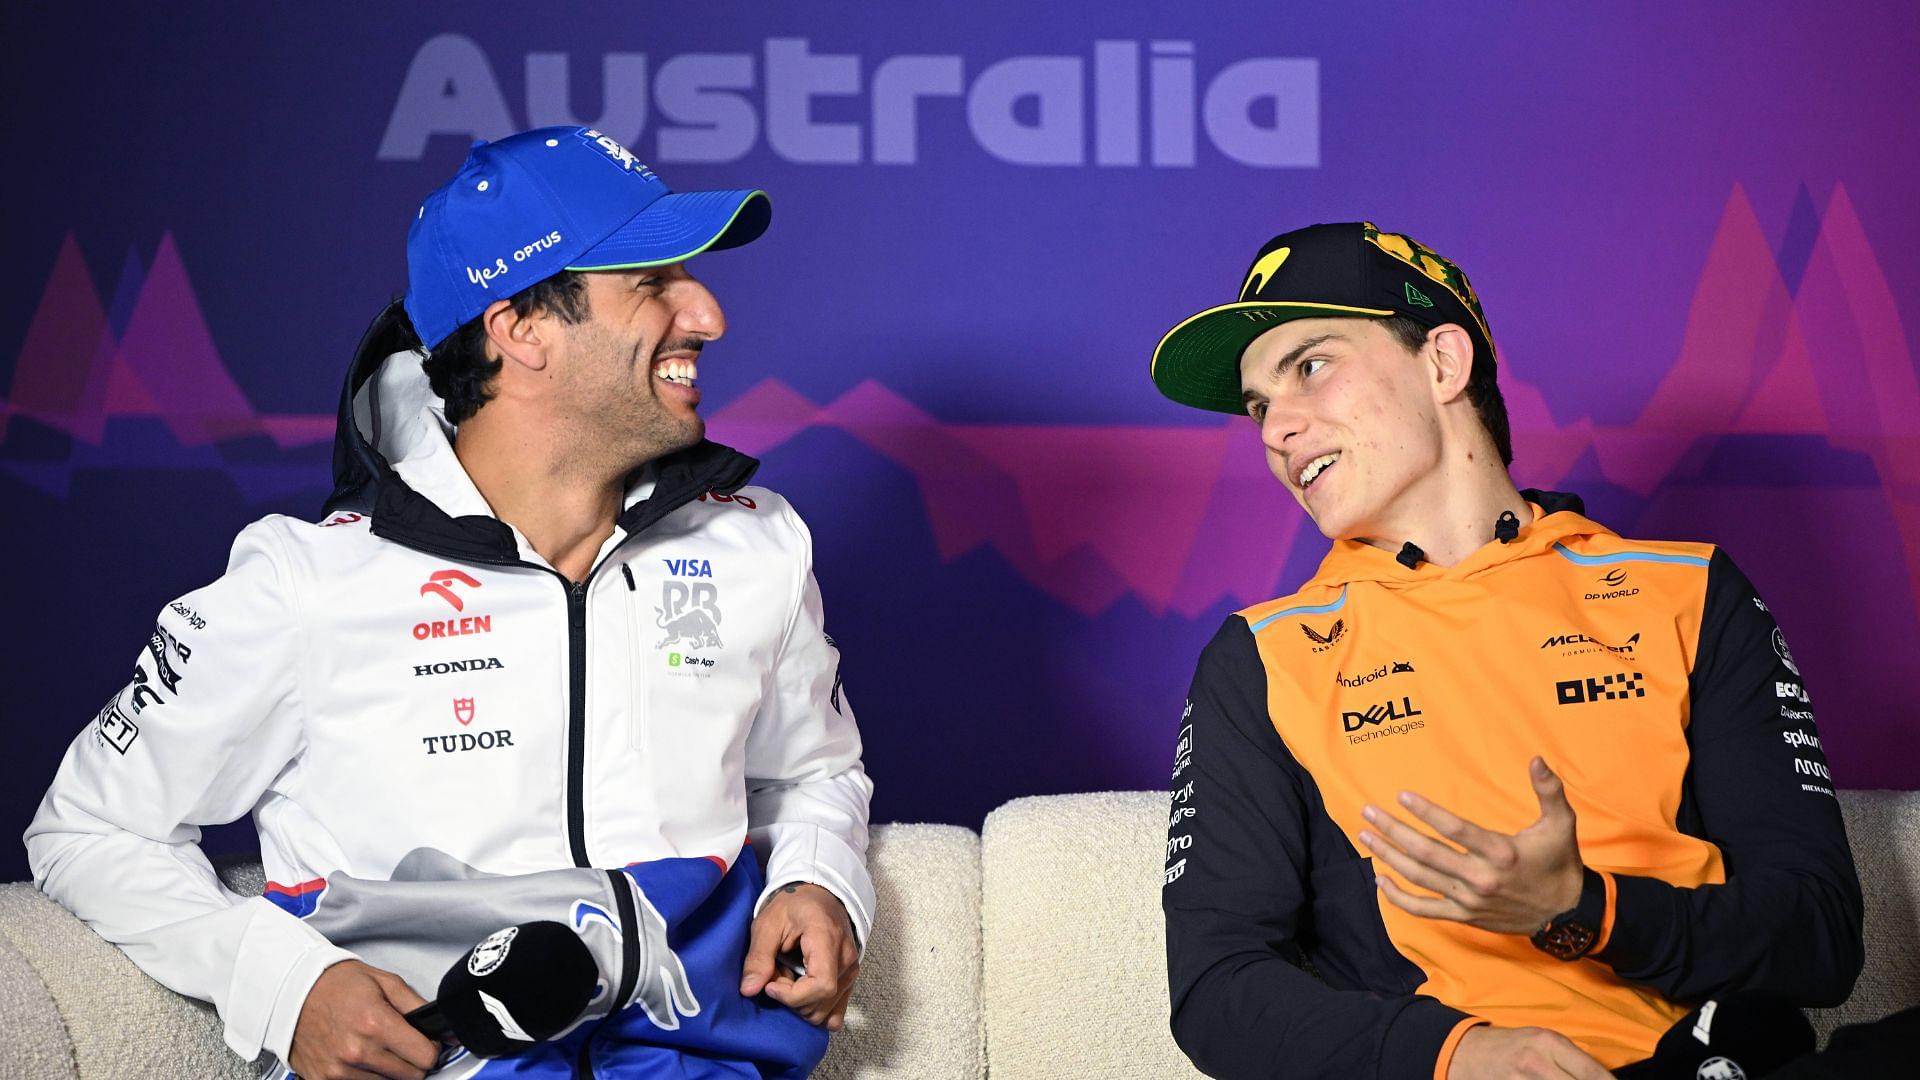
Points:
x=915, y=1012
x=1076, y=973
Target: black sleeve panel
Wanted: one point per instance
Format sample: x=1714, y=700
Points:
x=1788, y=918
x=1236, y=891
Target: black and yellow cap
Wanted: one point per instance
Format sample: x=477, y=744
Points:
x=1346, y=269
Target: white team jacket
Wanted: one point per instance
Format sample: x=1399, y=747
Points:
x=410, y=674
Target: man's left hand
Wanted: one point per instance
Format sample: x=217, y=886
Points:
x=1510, y=884
x=809, y=917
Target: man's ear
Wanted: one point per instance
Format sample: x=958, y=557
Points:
x=1450, y=359
x=521, y=340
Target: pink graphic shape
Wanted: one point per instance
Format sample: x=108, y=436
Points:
x=1179, y=518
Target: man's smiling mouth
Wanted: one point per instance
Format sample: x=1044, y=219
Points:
x=1311, y=470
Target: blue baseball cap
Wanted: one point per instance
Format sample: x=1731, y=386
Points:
x=528, y=206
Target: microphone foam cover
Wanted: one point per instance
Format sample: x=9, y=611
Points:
x=522, y=985
x=1755, y=1030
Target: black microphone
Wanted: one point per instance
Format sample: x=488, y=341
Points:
x=1506, y=528
x=1743, y=1035
x=522, y=985
x=1410, y=556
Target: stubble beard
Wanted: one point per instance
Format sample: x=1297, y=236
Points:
x=625, y=428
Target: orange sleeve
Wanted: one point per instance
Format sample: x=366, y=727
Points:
x=1606, y=918
x=1445, y=1061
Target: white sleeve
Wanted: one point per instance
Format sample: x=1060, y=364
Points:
x=211, y=718
x=807, y=794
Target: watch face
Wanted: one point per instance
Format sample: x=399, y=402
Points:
x=1567, y=940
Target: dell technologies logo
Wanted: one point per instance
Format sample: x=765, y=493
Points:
x=1129, y=103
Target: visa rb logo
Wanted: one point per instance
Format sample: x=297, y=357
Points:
x=1129, y=103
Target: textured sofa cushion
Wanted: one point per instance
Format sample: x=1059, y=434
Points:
x=33, y=1038
x=120, y=1023
x=1883, y=827
x=1076, y=964
x=915, y=1013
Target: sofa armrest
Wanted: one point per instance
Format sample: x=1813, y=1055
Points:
x=1076, y=956
x=1883, y=828
x=916, y=1011
x=33, y=1038
x=114, y=1020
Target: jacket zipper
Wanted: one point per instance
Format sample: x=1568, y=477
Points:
x=576, y=777
x=577, y=718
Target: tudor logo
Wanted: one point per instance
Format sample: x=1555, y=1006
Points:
x=448, y=667
x=463, y=710
x=440, y=582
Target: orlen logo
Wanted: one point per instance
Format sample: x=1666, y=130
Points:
x=440, y=583
x=1130, y=103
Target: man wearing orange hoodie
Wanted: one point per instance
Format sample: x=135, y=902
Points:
x=1519, y=789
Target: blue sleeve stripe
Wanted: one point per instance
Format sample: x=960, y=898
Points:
x=1317, y=609
x=1628, y=556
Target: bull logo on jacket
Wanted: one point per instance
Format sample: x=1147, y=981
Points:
x=690, y=614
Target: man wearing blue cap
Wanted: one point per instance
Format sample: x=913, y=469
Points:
x=546, y=658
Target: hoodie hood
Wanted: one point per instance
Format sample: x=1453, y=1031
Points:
x=1557, y=516
x=388, y=413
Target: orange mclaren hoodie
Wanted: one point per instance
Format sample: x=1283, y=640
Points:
x=1651, y=678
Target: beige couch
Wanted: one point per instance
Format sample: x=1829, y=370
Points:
x=1031, y=950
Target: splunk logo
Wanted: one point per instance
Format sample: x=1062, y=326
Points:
x=1148, y=104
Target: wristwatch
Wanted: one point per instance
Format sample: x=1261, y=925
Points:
x=1571, y=934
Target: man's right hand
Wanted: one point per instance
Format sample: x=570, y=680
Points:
x=352, y=1027
x=1494, y=1053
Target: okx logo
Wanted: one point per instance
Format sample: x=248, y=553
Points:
x=690, y=614
x=1615, y=687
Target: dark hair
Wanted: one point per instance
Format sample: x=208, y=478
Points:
x=459, y=369
x=1482, y=389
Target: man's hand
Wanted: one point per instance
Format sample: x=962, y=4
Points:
x=1507, y=884
x=1499, y=1053
x=812, y=918
x=351, y=1028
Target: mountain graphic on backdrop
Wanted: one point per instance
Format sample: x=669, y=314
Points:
x=1176, y=517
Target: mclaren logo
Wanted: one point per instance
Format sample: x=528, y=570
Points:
x=1263, y=271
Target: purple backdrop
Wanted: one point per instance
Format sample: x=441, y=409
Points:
x=1692, y=231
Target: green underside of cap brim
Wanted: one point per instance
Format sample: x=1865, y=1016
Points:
x=1197, y=363
x=713, y=241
